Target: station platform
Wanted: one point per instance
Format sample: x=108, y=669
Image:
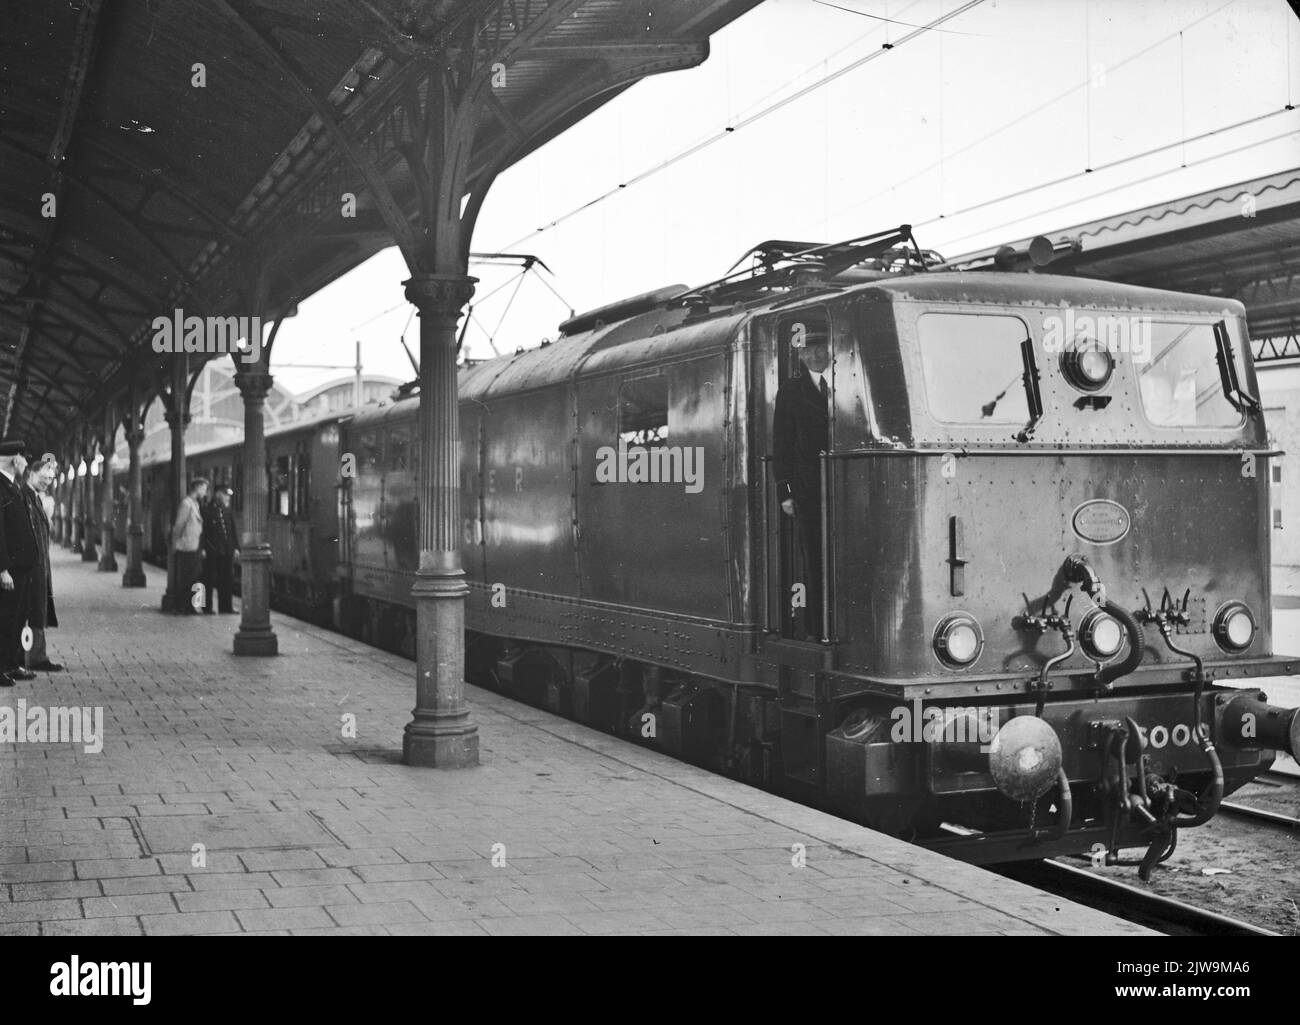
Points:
x=226, y=800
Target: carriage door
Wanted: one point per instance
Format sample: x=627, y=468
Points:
x=797, y=479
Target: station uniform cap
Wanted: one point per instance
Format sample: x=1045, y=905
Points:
x=13, y=448
x=48, y=457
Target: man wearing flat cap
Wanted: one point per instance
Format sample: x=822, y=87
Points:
x=41, y=616
x=18, y=559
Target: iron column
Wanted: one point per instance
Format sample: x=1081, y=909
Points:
x=255, y=636
x=134, y=573
x=441, y=732
x=107, y=557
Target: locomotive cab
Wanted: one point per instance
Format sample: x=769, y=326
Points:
x=1045, y=502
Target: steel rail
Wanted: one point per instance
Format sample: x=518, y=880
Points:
x=1245, y=811
x=1165, y=914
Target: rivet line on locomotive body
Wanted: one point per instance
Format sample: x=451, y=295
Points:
x=1045, y=507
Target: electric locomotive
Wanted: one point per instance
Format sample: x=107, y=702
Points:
x=1044, y=584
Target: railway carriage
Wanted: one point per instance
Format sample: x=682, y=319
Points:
x=1046, y=544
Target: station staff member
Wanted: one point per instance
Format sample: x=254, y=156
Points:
x=800, y=433
x=17, y=560
x=220, y=543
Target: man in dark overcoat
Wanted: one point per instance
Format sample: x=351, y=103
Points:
x=800, y=433
x=17, y=561
x=41, y=616
x=220, y=543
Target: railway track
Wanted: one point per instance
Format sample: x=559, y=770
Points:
x=1273, y=818
x=1164, y=914
x=1277, y=780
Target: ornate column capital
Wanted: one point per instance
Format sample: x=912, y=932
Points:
x=440, y=294
x=170, y=418
x=134, y=436
x=254, y=385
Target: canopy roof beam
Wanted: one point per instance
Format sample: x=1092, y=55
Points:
x=83, y=53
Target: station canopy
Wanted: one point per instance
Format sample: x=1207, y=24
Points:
x=152, y=152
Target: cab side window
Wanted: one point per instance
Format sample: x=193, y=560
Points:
x=643, y=412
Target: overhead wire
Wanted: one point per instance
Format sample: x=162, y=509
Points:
x=1179, y=144
x=746, y=122
x=1031, y=113
x=1128, y=184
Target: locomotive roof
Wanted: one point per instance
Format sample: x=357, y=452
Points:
x=1012, y=288
x=650, y=337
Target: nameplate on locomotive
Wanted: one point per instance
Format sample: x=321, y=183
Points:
x=1101, y=521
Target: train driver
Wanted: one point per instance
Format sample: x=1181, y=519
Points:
x=801, y=432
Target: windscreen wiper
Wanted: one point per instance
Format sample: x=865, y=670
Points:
x=1241, y=399
x=1032, y=391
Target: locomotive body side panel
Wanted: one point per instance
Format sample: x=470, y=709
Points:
x=576, y=536
x=655, y=544
x=526, y=498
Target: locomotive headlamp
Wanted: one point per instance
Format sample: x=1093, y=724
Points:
x=1234, y=626
x=958, y=640
x=1101, y=635
x=1088, y=366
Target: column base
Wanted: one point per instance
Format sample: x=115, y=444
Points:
x=133, y=578
x=88, y=554
x=255, y=635
x=257, y=643
x=441, y=733
x=107, y=563
x=431, y=746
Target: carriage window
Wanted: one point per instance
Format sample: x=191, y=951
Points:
x=399, y=450
x=371, y=452
x=973, y=367
x=1180, y=385
x=281, y=486
x=643, y=411
x=302, y=486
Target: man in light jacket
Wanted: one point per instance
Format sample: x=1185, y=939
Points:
x=187, y=537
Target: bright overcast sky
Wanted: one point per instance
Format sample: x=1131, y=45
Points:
x=1007, y=97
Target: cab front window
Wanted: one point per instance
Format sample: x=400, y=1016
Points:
x=1181, y=382
x=974, y=368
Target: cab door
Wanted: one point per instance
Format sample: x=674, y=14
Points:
x=798, y=549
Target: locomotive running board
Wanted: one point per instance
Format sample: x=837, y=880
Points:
x=1000, y=685
x=800, y=654
x=1014, y=845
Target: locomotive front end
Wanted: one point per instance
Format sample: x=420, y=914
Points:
x=1064, y=505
